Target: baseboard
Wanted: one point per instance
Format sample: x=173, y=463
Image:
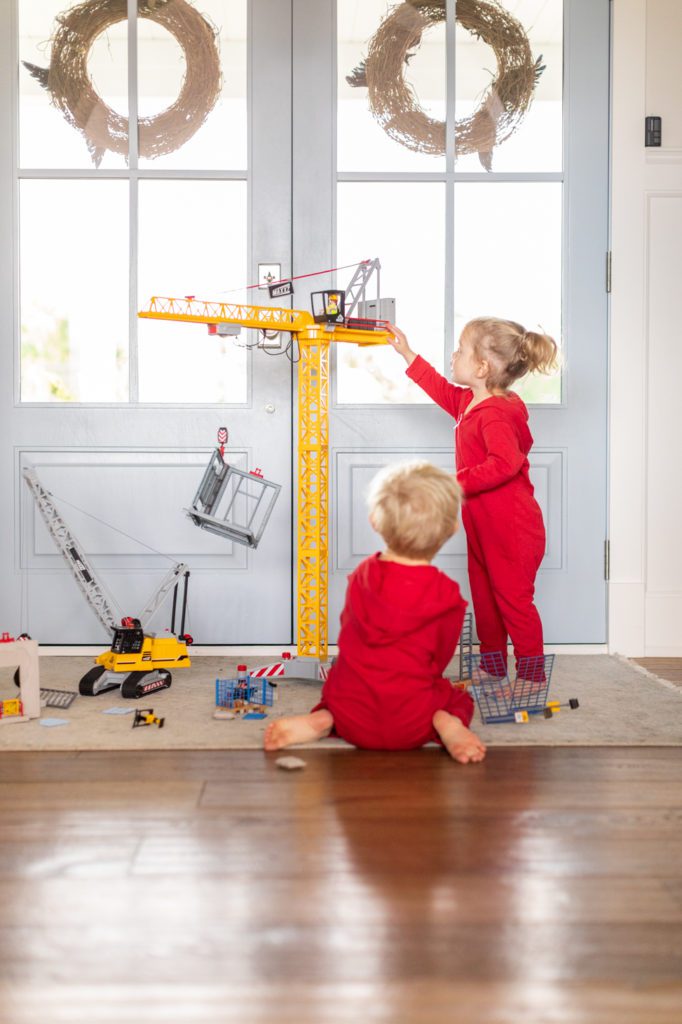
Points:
x=275, y=652
x=196, y=651
x=576, y=649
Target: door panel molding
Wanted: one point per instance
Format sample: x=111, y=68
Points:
x=117, y=489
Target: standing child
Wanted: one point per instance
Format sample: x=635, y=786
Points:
x=399, y=629
x=502, y=519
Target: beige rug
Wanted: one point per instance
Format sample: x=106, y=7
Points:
x=620, y=704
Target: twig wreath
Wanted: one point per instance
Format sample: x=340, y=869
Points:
x=394, y=104
x=68, y=81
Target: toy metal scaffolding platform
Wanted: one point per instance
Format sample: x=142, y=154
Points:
x=232, y=503
x=466, y=640
x=501, y=699
x=249, y=691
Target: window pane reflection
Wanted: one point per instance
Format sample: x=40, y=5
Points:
x=47, y=139
x=536, y=142
x=74, y=291
x=508, y=262
x=220, y=141
x=404, y=225
x=192, y=238
x=362, y=142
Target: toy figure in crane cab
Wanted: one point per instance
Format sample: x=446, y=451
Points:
x=329, y=307
x=144, y=658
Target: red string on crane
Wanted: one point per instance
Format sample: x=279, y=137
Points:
x=298, y=277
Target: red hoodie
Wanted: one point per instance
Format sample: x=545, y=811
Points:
x=502, y=519
x=399, y=629
x=491, y=442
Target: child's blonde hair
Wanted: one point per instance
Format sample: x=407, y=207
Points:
x=510, y=350
x=415, y=507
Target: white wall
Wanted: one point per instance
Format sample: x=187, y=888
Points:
x=645, y=590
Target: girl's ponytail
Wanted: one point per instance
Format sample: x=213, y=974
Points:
x=540, y=352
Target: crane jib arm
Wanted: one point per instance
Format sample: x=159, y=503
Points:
x=82, y=571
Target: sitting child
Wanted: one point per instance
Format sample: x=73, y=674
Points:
x=399, y=629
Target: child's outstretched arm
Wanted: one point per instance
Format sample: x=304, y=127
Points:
x=444, y=393
x=400, y=343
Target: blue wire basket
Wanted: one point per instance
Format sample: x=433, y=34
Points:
x=501, y=699
x=466, y=640
x=251, y=691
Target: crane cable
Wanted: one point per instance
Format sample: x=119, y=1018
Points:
x=296, y=277
x=290, y=351
x=103, y=522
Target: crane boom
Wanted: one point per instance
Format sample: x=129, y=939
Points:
x=355, y=290
x=161, y=592
x=70, y=548
x=264, y=318
x=82, y=570
x=198, y=311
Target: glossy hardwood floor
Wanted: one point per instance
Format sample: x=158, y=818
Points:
x=541, y=887
x=666, y=668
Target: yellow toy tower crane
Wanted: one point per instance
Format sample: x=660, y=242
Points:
x=329, y=322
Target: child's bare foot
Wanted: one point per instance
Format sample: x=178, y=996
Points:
x=284, y=732
x=461, y=743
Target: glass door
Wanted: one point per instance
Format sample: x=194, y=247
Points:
x=142, y=165
x=470, y=154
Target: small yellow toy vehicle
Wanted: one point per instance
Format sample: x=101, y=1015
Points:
x=146, y=716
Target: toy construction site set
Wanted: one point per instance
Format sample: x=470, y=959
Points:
x=139, y=662
x=237, y=505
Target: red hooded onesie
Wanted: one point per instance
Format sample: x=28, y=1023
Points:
x=399, y=629
x=502, y=519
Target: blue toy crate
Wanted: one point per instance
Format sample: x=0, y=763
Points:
x=501, y=699
x=252, y=691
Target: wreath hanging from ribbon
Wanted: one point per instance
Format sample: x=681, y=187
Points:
x=394, y=103
x=73, y=93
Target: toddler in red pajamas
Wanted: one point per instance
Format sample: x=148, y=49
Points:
x=502, y=519
x=399, y=629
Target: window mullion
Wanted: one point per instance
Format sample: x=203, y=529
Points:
x=133, y=197
x=450, y=116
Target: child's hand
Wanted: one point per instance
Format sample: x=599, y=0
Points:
x=399, y=342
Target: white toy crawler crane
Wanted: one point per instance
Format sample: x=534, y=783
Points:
x=138, y=661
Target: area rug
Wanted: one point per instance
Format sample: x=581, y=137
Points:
x=619, y=704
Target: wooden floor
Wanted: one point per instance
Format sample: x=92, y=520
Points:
x=666, y=668
x=541, y=887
